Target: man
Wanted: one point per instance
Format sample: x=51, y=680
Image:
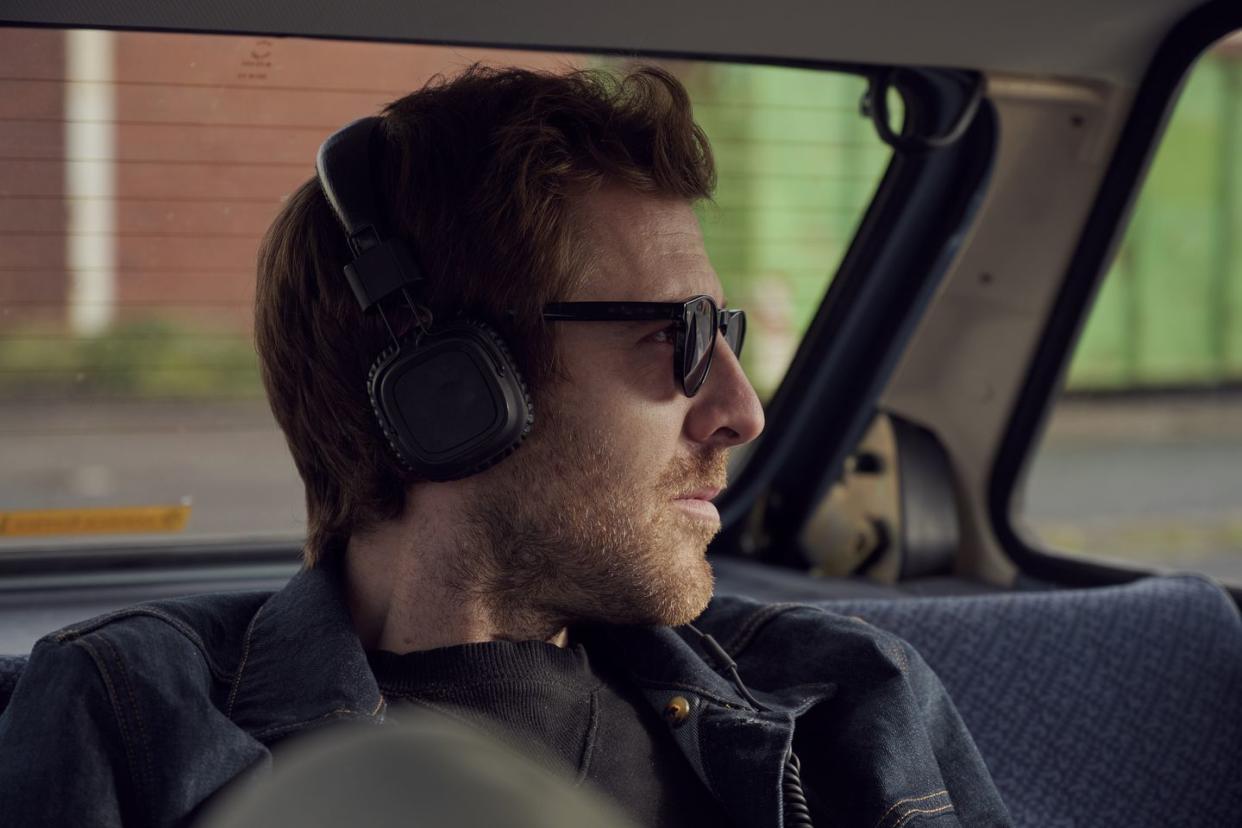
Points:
x=539, y=590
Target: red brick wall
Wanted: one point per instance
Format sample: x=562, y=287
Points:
x=32, y=208
x=212, y=133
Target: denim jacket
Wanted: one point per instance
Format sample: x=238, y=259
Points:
x=139, y=716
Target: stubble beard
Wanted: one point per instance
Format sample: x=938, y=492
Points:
x=572, y=532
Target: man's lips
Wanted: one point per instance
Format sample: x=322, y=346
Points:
x=703, y=493
x=698, y=502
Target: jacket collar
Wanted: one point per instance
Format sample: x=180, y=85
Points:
x=672, y=658
x=302, y=662
x=738, y=751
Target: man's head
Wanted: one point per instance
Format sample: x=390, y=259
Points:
x=517, y=189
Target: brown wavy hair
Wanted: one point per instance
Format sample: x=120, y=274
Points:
x=480, y=173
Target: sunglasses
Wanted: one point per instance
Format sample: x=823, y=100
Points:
x=697, y=321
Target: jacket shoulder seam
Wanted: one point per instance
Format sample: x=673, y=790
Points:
x=137, y=777
x=76, y=633
x=241, y=666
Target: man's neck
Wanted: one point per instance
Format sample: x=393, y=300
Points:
x=405, y=588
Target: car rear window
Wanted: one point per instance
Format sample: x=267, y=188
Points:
x=138, y=172
x=1141, y=462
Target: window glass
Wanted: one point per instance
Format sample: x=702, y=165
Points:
x=1142, y=460
x=138, y=172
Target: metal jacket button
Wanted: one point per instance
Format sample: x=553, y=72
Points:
x=677, y=710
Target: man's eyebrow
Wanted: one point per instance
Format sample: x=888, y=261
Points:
x=673, y=300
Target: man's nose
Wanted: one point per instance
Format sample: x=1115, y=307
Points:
x=726, y=412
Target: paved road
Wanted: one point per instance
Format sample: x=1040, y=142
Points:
x=1154, y=480
x=1176, y=502
x=229, y=459
x=1139, y=491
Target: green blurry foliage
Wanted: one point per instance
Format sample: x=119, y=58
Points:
x=143, y=358
x=1169, y=312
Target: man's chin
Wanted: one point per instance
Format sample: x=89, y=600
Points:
x=686, y=597
x=676, y=595
x=687, y=611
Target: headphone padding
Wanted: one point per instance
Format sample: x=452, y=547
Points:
x=461, y=348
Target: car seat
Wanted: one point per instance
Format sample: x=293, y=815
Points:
x=1112, y=706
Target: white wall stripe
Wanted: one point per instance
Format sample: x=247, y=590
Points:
x=90, y=243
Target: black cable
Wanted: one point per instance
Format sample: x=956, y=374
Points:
x=797, y=809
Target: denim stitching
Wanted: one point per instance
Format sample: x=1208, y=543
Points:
x=756, y=621
x=101, y=620
x=94, y=624
x=120, y=719
x=241, y=667
x=709, y=778
x=907, y=801
x=943, y=809
x=191, y=634
x=133, y=703
x=154, y=612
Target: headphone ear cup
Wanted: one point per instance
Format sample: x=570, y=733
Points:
x=452, y=404
x=378, y=369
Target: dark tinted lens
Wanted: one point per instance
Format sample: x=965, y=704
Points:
x=733, y=326
x=700, y=336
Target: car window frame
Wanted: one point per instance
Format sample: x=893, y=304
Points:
x=900, y=254
x=1097, y=244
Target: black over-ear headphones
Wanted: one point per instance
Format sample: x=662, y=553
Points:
x=448, y=397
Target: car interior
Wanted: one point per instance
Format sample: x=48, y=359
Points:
x=924, y=205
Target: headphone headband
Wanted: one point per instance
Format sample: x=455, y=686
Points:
x=382, y=265
x=451, y=403
x=345, y=172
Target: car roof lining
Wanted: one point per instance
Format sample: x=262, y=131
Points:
x=1107, y=40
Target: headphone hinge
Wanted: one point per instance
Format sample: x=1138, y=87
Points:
x=380, y=271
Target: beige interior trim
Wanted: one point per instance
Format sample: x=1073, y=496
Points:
x=966, y=363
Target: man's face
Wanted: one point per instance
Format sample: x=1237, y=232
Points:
x=603, y=514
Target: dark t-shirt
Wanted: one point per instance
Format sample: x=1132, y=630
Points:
x=563, y=708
